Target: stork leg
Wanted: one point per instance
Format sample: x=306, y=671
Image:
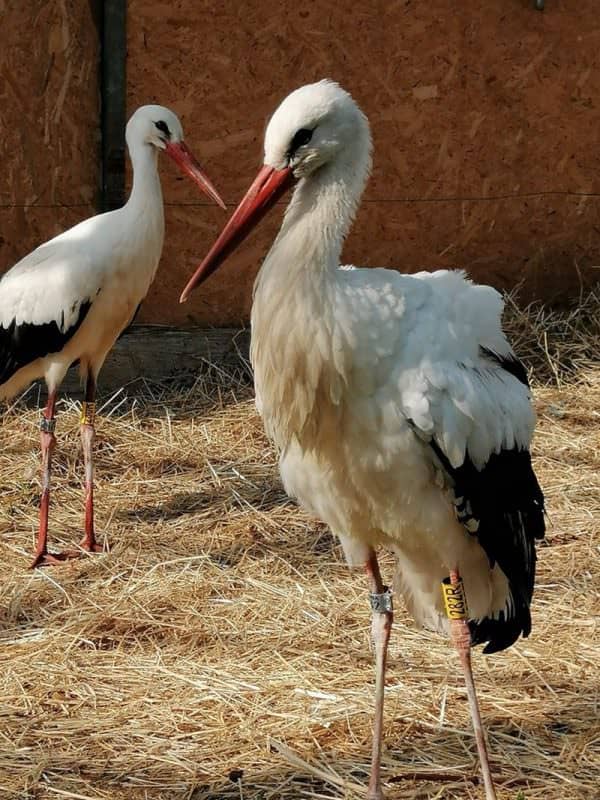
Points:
x=88, y=412
x=461, y=639
x=381, y=605
x=41, y=555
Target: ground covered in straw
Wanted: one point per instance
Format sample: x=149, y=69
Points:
x=221, y=649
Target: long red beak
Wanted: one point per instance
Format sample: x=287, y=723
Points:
x=186, y=161
x=267, y=188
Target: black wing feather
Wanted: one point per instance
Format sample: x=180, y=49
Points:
x=503, y=505
x=509, y=364
x=24, y=343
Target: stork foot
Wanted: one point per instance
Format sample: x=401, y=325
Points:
x=53, y=559
x=375, y=794
x=91, y=547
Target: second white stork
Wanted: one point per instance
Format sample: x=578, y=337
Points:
x=70, y=299
x=402, y=416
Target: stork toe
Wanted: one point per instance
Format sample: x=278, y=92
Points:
x=53, y=559
x=92, y=547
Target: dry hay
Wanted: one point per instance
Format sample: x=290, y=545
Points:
x=222, y=649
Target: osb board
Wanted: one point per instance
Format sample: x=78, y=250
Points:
x=503, y=241
x=22, y=228
x=49, y=120
x=484, y=118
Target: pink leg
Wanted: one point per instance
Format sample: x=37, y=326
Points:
x=41, y=556
x=381, y=603
x=87, y=440
x=461, y=639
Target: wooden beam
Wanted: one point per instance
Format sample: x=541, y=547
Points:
x=113, y=99
x=159, y=353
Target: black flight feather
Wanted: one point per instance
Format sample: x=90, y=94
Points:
x=24, y=343
x=503, y=506
x=509, y=364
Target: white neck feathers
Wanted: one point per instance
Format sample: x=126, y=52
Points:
x=299, y=379
x=146, y=191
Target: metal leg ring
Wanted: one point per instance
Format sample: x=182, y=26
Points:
x=382, y=603
x=47, y=425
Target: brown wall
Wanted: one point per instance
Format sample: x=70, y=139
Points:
x=49, y=135
x=485, y=118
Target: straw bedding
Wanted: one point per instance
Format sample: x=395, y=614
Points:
x=221, y=649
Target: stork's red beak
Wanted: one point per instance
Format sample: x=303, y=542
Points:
x=267, y=188
x=186, y=161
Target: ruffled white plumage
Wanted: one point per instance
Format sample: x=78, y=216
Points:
x=357, y=370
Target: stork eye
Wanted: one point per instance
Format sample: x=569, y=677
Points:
x=163, y=127
x=301, y=137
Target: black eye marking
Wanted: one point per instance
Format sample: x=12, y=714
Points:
x=301, y=137
x=163, y=127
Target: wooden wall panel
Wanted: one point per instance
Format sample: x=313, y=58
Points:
x=485, y=118
x=49, y=118
x=23, y=228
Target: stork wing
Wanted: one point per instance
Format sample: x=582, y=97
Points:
x=470, y=403
x=43, y=301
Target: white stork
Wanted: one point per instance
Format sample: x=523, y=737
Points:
x=401, y=414
x=71, y=298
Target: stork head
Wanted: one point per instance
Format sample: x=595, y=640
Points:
x=158, y=127
x=315, y=126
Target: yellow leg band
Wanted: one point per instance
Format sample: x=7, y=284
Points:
x=455, y=599
x=88, y=412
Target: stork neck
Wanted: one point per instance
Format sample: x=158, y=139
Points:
x=145, y=190
x=320, y=214
x=294, y=300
